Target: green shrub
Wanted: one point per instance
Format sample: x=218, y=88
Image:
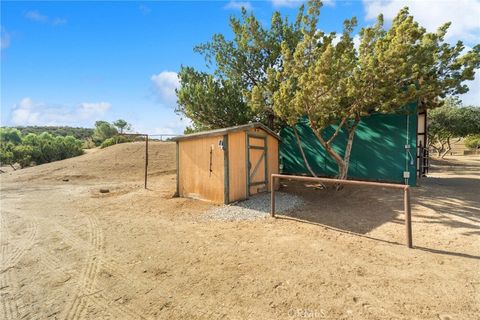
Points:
x=473, y=141
x=88, y=144
x=103, y=131
x=11, y=135
x=37, y=149
x=114, y=140
x=23, y=155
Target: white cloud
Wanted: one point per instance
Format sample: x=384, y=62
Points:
x=5, y=38
x=238, y=5
x=36, y=16
x=27, y=112
x=165, y=84
x=464, y=15
x=296, y=3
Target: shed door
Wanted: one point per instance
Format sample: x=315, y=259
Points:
x=257, y=177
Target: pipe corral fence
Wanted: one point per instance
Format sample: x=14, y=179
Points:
x=405, y=188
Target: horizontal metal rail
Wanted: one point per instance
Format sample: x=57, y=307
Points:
x=405, y=188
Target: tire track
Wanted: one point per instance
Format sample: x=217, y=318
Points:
x=9, y=259
x=19, y=251
x=87, y=293
x=86, y=283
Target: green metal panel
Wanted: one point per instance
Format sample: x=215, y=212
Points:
x=378, y=151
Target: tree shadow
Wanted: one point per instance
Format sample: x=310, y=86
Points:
x=451, y=202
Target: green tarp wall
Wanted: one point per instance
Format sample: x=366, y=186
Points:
x=378, y=152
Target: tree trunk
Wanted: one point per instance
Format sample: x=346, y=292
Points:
x=340, y=162
x=299, y=143
x=348, y=147
x=449, y=147
x=14, y=169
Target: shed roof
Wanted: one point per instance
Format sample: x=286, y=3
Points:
x=217, y=132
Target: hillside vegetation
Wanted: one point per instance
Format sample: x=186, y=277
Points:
x=77, y=132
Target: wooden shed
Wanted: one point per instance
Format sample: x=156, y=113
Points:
x=226, y=165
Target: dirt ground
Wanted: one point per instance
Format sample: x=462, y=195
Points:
x=70, y=252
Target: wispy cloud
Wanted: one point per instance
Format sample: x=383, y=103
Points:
x=464, y=15
x=36, y=16
x=238, y=5
x=59, y=21
x=144, y=9
x=29, y=112
x=165, y=84
x=5, y=38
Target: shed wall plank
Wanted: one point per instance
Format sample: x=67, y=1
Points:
x=236, y=155
x=195, y=178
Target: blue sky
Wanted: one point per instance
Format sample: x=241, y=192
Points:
x=71, y=63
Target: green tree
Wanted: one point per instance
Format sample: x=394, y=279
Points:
x=473, y=141
x=335, y=84
x=210, y=103
x=23, y=155
x=6, y=154
x=449, y=122
x=103, y=130
x=10, y=135
x=240, y=64
x=122, y=125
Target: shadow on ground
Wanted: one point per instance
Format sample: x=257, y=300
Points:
x=449, y=202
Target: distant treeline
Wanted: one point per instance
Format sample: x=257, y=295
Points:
x=78, y=133
x=27, y=145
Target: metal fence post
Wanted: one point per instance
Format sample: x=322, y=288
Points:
x=408, y=216
x=272, y=190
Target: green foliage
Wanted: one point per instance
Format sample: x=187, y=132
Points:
x=10, y=135
x=6, y=154
x=39, y=149
x=79, y=133
x=122, y=125
x=88, y=144
x=114, y=140
x=23, y=155
x=103, y=131
x=451, y=121
x=225, y=98
x=473, y=141
x=209, y=102
x=336, y=84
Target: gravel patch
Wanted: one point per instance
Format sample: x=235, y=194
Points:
x=257, y=206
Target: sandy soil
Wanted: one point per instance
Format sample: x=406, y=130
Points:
x=69, y=252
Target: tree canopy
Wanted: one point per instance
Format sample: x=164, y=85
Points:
x=37, y=148
x=122, y=125
x=450, y=121
x=290, y=70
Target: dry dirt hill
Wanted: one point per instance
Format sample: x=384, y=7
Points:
x=121, y=162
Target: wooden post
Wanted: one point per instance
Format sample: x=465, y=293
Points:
x=146, y=159
x=408, y=216
x=272, y=190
